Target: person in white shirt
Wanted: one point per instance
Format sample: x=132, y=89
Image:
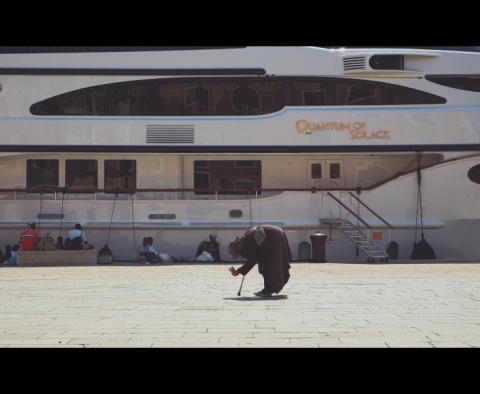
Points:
x=76, y=237
x=164, y=257
x=142, y=252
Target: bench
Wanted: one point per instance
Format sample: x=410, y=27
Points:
x=57, y=257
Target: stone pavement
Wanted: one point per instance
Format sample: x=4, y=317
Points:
x=195, y=305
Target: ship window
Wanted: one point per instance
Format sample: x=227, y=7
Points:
x=120, y=175
x=227, y=176
x=236, y=213
x=462, y=82
x=132, y=100
x=236, y=96
x=245, y=185
x=220, y=92
x=81, y=175
x=245, y=163
x=156, y=216
x=245, y=100
x=196, y=100
x=266, y=96
x=91, y=102
x=474, y=174
x=316, y=171
x=387, y=62
x=334, y=171
x=201, y=163
x=309, y=93
x=42, y=174
x=360, y=94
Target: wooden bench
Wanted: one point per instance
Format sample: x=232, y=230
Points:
x=57, y=257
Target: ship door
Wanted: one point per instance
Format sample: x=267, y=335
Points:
x=325, y=174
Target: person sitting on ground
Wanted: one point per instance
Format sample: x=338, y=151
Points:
x=59, y=244
x=209, y=250
x=164, y=257
x=144, y=254
x=13, y=255
x=29, y=237
x=201, y=250
x=76, y=238
x=213, y=247
x=8, y=253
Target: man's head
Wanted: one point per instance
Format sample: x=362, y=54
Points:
x=31, y=224
x=150, y=240
x=78, y=226
x=212, y=237
x=235, y=247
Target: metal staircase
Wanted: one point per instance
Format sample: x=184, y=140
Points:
x=372, y=250
x=353, y=233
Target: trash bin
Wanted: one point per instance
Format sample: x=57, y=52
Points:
x=318, y=247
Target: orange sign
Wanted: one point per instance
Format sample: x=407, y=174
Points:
x=377, y=236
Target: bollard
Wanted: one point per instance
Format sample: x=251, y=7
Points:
x=318, y=247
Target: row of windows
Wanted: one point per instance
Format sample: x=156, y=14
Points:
x=231, y=96
x=212, y=176
x=81, y=176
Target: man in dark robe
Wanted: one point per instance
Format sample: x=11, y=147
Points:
x=268, y=246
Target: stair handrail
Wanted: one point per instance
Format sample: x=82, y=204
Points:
x=349, y=210
x=366, y=206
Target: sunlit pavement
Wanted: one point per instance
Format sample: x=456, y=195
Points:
x=331, y=305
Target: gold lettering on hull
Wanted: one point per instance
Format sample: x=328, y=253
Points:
x=357, y=130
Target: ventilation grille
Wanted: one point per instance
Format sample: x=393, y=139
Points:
x=354, y=63
x=170, y=134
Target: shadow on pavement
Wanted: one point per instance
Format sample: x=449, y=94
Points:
x=272, y=298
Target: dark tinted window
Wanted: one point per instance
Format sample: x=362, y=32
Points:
x=230, y=96
x=42, y=173
x=120, y=175
x=227, y=176
x=474, y=174
x=462, y=82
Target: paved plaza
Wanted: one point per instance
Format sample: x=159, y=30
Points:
x=196, y=305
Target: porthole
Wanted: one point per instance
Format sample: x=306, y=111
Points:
x=474, y=174
x=236, y=213
x=164, y=216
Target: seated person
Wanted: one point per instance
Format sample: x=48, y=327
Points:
x=146, y=253
x=59, y=244
x=76, y=238
x=212, y=247
x=142, y=252
x=164, y=257
x=13, y=255
x=8, y=254
x=29, y=237
x=202, y=247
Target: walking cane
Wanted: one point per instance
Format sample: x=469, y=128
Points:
x=231, y=269
x=241, y=284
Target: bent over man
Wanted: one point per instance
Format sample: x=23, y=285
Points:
x=268, y=247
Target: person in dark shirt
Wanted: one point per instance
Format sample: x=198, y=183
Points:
x=213, y=247
x=268, y=247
